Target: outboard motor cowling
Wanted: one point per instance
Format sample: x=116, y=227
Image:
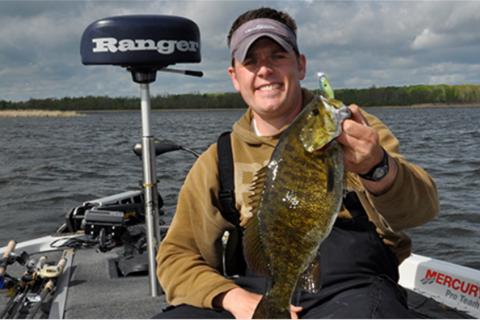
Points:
x=144, y=44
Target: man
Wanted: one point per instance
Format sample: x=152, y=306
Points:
x=359, y=259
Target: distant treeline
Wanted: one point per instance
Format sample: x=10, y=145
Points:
x=411, y=95
x=382, y=96
x=180, y=101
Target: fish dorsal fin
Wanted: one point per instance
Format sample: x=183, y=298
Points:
x=256, y=188
x=253, y=249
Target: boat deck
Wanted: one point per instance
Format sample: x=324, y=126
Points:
x=97, y=290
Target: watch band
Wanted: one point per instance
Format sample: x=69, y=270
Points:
x=379, y=171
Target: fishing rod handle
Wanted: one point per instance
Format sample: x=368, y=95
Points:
x=50, y=272
x=41, y=262
x=61, y=264
x=8, y=250
x=10, y=247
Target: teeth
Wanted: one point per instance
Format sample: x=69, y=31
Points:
x=269, y=87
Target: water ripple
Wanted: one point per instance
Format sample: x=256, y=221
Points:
x=51, y=165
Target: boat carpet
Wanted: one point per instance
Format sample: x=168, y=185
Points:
x=97, y=291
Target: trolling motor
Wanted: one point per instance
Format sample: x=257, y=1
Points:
x=144, y=44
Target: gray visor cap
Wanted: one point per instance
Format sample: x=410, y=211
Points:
x=252, y=30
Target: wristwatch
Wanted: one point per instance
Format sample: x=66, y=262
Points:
x=379, y=171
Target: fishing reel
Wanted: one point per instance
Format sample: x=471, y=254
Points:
x=6, y=281
x=31, y=293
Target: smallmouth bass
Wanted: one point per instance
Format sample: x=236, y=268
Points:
x=295, y=200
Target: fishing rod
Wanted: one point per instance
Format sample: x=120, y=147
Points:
x=20, y=288
x=50, y=273
x=6, y=254
x=30, y=282
x=30, y=291
x=4, y=262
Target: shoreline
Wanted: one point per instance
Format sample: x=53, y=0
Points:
x=45, y=113
x=432, y=105
x=12, y=113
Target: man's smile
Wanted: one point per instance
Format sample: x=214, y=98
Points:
x=270, y=87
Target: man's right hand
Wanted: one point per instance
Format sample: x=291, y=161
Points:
x=242, y=303
x=239, y=302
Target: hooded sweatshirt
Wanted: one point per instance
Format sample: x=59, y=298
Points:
x=189, y=258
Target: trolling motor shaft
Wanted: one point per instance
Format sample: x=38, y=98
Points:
x=144, y=44
x=149, y=184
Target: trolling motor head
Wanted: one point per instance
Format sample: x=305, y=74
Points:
x=143, y=44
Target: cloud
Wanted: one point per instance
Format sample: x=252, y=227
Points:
x=429, y=39
x=454, y=25
x=358, y=43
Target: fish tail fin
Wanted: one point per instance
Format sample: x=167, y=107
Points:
x=265, y=310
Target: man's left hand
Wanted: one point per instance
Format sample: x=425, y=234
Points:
x=362, y=150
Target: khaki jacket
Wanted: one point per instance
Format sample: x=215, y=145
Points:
x=190, y=256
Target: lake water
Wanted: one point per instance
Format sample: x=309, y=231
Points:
x=49, y=165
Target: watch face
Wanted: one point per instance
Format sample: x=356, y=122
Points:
x=379, y=173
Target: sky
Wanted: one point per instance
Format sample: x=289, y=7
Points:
x=359, y=44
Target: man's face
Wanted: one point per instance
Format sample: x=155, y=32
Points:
x=269, y=79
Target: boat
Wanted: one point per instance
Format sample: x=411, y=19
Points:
x=100, y=262
x=110, y=279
